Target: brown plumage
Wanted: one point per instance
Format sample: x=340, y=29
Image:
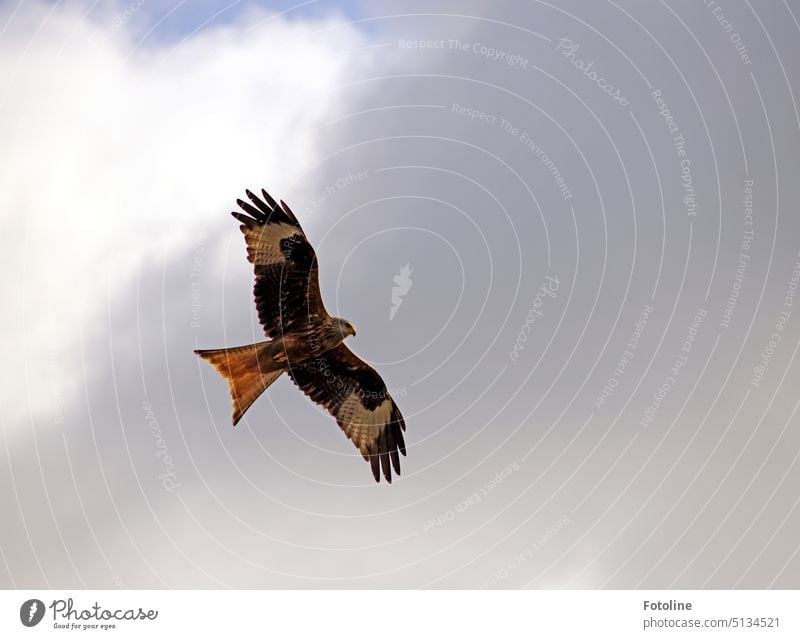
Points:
x=305, y=341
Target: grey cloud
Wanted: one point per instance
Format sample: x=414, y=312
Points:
x=522, y=470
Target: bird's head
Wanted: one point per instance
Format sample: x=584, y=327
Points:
x=345, y=327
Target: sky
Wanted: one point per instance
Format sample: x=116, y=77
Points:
x=567, y=233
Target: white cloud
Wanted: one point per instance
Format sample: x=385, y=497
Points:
x=111, y=156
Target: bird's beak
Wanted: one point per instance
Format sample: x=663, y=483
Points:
x=354, y=330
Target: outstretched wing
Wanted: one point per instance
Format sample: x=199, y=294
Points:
x=355, y=394
x=286, y=291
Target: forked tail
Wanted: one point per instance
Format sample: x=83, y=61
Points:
x=248, y=375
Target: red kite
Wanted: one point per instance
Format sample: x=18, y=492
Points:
x=305, y=341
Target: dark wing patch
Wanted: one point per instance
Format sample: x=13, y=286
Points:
x=355, y=394
x=286, y=290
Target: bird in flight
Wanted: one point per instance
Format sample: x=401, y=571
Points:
x=305, y=341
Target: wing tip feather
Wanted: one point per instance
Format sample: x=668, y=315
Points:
x=247, y=221
x=375, y=462
x=269, y=199
x=289, y=213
